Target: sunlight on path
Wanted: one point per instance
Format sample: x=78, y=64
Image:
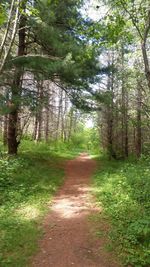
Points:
x=68, y=240
x=67, y=206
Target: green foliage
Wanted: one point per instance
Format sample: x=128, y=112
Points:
x=57, y=29
x=126, y=17
x=85, y=139
x=93, y=141
x=2, y=14
x=56, y=148
x=27, y=183
x=78, y=140
x=123, y=189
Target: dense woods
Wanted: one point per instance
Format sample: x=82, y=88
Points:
x=52, y=50
x=65, y=64
x=41, y=51
x=125, y=32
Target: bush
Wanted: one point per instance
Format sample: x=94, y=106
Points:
x=124, y=190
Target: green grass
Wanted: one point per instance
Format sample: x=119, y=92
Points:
x=27, y=183
x=123, y=189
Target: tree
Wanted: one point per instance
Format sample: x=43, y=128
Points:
x=123, y=30
x=139, y=15
x=16, y=87
x=6, y=44
x=56, y=52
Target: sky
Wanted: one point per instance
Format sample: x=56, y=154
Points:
x=89, y=123
x=95, y=14
x=95, y=9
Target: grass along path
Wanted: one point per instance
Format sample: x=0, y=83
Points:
x=27, y=184
x=123, y=189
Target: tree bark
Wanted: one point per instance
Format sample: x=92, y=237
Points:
x=47, y=125
x=14, y=104
x=139, y=123
x=146, y=63
x=5, y=133
x=39, y=117
x=58, y=133
x=110, y=116
x=35, y=127
x=7, y=52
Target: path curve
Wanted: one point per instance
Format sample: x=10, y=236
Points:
x=68, y=240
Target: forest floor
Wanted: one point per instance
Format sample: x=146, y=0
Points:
x=69, y=235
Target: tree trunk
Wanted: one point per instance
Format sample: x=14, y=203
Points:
x=126, y=127
x=47, y=124
x=110, y=137
x=35, y=126
x=59, y=115
x=124, y=122
x=39, y=133
x=70, y=123
x=13, y=34
x=139, y=123
x=16, y=92
x=110, y=116
x=12, y=133
x=124, y=110
x=146, y=63
x=39, y=117
x=5, y=133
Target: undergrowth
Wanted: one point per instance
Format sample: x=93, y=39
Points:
x=123, y=189
x=27, y=183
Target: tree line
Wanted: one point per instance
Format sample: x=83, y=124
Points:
x=124, y=31
x=42, y=42
x=55, y=60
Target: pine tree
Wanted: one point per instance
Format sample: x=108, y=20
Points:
x=51, y=46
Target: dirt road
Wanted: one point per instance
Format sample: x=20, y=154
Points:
x=68, y=239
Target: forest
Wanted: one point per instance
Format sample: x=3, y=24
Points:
x=75, y=102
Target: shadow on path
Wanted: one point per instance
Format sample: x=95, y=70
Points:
x=68, y=240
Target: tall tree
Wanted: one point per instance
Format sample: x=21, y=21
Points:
x=57, y=52
x=16, y=86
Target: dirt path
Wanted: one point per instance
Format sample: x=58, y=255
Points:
x=68, y=239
